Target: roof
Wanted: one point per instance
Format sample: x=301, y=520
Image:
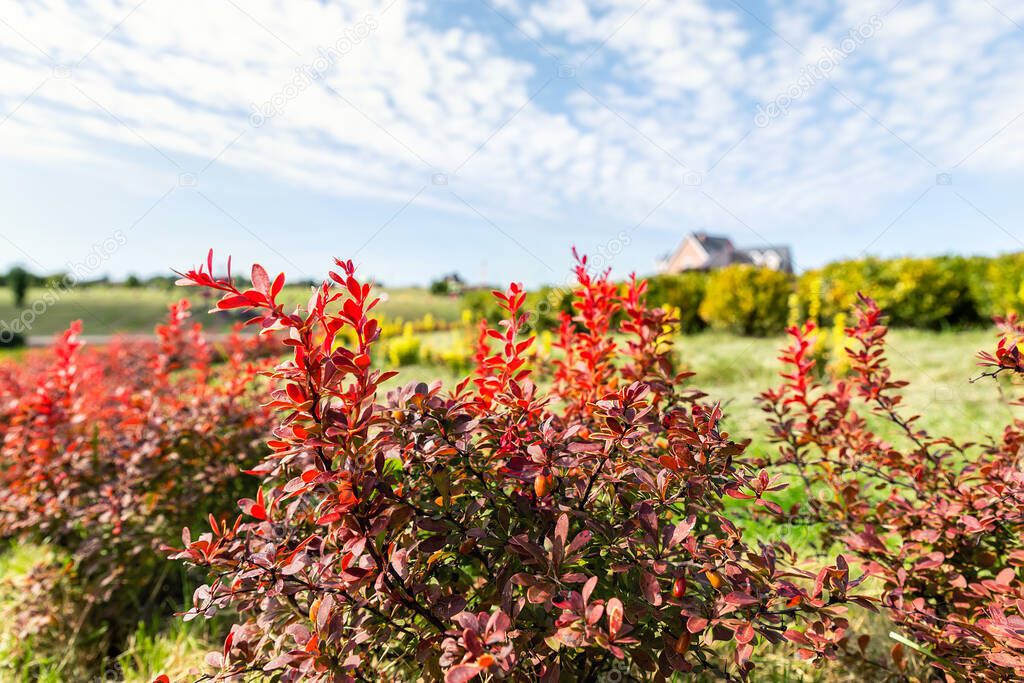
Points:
x=712, y=243
x=721, y=252
x=756, y=255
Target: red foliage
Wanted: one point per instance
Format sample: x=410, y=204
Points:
x=495, y=527
x=942, y=523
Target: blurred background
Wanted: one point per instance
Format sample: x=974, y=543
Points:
x=761, y=161
x=485, y=137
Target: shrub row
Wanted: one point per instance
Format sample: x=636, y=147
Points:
x=502, y=531
x=12, y=340
x=927, y=293
x=740, y=299
x=104, y=455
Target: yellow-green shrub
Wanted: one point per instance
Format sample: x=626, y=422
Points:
x=997, y=285
x=915, y=292
x=747, y=300
x=838, y=359
x=456, y=354
x=920, y=292
x=404, y=350
x=833, y=289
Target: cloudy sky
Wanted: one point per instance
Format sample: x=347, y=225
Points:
x=490, y=135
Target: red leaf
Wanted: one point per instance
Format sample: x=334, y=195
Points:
x=650, y=588
x=740, y=598
x=696, y=624
x=461, y=673
x=278, y=285
x=614, y=610
x=1006, y=576
x=260, y=279
x=797, y=637
x=295, y=393
x=233, y=301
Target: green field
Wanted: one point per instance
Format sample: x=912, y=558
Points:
x=112, y=309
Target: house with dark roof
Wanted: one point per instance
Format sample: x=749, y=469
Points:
x=701, y=251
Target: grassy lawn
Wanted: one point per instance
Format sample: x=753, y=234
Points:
x=107, y=310
x=174, y=647
x=938, y=365
x=11, y=354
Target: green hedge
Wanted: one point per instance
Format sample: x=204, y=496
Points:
x=683, y=291
x=918, y=292
x=11, y=340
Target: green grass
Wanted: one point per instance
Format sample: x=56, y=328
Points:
x=177, y=650
x=19, y=662
x=168, y=646
x=939, y=366
x=11, y=354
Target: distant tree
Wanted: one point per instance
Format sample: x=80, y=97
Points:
x=18, y=280
x=133, y=282
x=160, y=281
x=55, y=281
x=451, y=283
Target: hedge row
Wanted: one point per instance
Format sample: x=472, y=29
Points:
x=947, y=291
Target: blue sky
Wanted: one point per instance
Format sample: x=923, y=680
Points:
x=488, y=136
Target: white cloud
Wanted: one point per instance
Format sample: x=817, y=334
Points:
x=663, y=82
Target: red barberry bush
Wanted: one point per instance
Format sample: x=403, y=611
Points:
x=940, y=522
x=104, y=455
x=495, y=530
